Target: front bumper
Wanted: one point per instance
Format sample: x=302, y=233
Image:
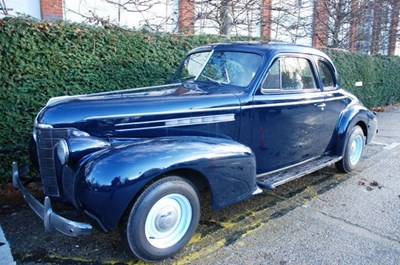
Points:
x=51, y=219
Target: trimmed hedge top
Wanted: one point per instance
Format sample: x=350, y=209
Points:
x=39, y=60
x=379, y=75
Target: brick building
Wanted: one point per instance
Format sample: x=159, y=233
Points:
x=51, y=9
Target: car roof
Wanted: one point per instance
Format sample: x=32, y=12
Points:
x=271, y=48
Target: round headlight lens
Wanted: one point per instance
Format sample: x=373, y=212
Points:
x=62, y=151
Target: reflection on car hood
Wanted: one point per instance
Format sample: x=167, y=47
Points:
x=88, y=112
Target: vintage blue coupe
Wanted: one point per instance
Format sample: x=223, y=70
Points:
x=236, y=118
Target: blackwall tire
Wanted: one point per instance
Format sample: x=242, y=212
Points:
x=353, y=152
x=163, y=219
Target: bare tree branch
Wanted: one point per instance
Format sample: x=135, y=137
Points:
x=3, y=7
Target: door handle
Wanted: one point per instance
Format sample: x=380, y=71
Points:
x=320, y=105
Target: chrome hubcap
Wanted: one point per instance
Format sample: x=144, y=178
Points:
x=168, y=220
x=356, y=149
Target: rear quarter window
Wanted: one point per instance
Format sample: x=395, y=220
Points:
x=326, y=74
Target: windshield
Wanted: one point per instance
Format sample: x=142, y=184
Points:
x=222, y=67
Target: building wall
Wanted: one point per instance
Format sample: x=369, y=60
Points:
x=23, y=7
x=162, y=14
x=51, y=9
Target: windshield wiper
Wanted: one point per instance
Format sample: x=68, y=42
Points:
x=186, y=78
x=212, y=80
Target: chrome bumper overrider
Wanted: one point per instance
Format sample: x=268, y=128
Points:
x=50, y=218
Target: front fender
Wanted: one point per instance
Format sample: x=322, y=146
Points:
x=111, y=179
x=354, y=114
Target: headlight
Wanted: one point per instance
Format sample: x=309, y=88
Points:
x=62, y=151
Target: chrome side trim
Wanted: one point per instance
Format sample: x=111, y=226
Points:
x=283, y=104
x=276, y=95
x=178, y=122
x=51, y=219
x=292, y=103
x=162, y=113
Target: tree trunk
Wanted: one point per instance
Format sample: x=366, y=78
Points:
x=186, y=16
x=320, y=24
x=394, y=26
x=376, y=28
x=226, y=20
x=266, y=9
x=337, y=23
x=354, y=20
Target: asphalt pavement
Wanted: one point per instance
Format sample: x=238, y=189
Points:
x=357, y=222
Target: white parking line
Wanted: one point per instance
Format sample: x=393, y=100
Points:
x=378, y=143
x=391, y=146
x=386, y=146
x=5, y=251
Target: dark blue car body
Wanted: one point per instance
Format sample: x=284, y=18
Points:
x=222, y=137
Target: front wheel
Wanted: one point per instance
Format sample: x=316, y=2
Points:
x=354, y=149
x=163, y=219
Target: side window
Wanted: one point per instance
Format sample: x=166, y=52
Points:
x=326, y=74
x=291, y=78
x=272, y=80
x=289, y=74
x=297, y=74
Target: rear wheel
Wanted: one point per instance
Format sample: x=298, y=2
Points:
x=163, y=219
x=354, y=149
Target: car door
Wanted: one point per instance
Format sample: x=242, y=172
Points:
x=335, y=102
x=288, y=109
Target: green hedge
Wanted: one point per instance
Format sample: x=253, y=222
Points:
x=379, y=74
x=39, y=60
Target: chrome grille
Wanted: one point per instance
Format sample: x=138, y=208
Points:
x=46, y=139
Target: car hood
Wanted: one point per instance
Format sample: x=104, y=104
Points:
x=118, y=112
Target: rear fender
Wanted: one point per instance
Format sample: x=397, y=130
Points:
x=350, y=117
x=112, y=179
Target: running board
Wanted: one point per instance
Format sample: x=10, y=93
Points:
x=275, y=179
